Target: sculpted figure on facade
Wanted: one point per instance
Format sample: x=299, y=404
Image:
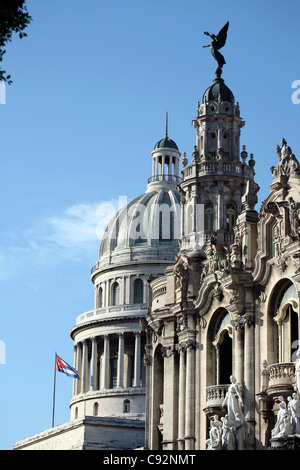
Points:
x=297, y=370
x=283, y=426
x=233, y=400
x=215, y=435
x=228, y=433
x=294, y=407
x=287, y=162
x=294, y=212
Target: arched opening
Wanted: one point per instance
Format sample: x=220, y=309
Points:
x=126, y=406
x=158, y=397
x=100, y=298
x=230, y=216
x=138, y=292
x=115, y=293
x=285, y=322
x=208, y=216
x=222, y=342
x=95, y=409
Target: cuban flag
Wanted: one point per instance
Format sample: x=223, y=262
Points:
x=62, y=366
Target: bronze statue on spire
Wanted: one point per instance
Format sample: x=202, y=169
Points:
x=217, y=43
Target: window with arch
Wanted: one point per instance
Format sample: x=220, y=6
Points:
x=115, y=293
x=126, y=406
x=138, y=291
x=286, y=321
x=100, y=298
x=230, y=216
x=208, y=216
x=95, y=409
x=222, y=342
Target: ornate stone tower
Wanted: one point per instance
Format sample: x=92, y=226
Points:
x=214, y=182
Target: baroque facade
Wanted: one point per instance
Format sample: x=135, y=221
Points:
x=222, y=332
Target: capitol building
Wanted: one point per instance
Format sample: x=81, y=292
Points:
x=192, y=342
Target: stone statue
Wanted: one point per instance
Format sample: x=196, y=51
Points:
x=297, y=370
x=233, y=400
x=215, y=435
x=283, y=426
x=228, y=434
x=293, y=217
x=217, y=43
x=240, y=429
x=294, y=407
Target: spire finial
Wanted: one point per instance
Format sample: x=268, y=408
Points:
x=167, y=124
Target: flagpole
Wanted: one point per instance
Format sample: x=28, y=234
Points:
x=54, y=386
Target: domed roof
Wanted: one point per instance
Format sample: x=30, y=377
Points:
x=166, y=142
x=218, y=88
x=146, y=228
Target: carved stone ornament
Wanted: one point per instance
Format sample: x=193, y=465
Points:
x=185, y=345
x=288, y=164
x=168, y=351
x=240, y=321
x=156, y=329
x=181, y=278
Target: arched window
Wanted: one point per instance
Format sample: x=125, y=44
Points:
x=100, y=298
x=95, y=409
x=208, y=216
x=115, y=293
x=126, y=406
x=286, y=323
x=76, y=412
x=138, y=291
x=230, y=216
x=223, y=349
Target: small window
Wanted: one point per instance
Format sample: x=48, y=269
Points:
x=208, y=216
x=126, y=406
x=138, y=291
x=115, y=293
x=95, y=409
x=230, y=216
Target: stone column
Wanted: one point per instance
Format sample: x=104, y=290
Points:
x=249, y=378
x=190, y=397
x=181, y=399
x=75, y=367
x=120, y=371
x=79, y=363
x=106, y=371
x=84, y=366
x=94, y=364
x=137, y=359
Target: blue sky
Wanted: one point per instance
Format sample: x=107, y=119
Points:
x=91, y=85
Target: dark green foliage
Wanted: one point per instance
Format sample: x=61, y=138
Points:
x=14, y=18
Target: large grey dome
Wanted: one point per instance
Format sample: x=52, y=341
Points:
x=147, y=228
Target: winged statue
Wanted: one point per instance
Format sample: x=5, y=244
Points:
x=218, y=41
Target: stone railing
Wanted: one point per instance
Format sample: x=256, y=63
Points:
x=281, y=379
x=112, y=313
x=215, y=395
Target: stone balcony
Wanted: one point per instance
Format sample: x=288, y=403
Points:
x=215, y=395
x=115, y=312
x=281, y=379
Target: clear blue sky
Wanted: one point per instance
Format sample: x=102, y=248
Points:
x=91, y=86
